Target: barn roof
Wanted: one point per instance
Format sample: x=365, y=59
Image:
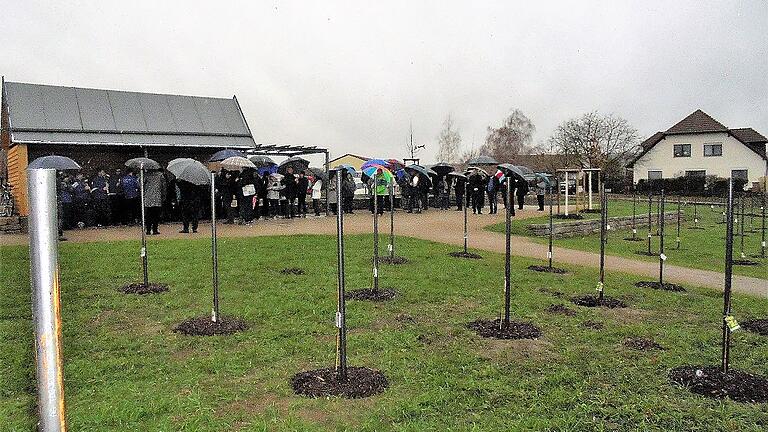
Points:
x=71, y=115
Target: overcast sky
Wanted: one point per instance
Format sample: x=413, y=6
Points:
x=350, y=76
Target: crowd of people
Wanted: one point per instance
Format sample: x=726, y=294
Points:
x=244, y=196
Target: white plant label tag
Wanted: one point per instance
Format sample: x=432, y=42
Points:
x=599, y=287
x=338, y=319
x=732, y=324
x=711, y=206
x=663, y=257
x=608, y=226
x=143, y=252
x=649, y=235
x=375, y=272
x=389, y=247
x=762, y=244
x=634, y=230
x=549, y=254
x=678, y=240
x=696, y=220
x=743, y=256
x=214, y=318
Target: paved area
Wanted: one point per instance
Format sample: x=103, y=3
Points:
x=434, y=225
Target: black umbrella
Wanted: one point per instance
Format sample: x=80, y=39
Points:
x=459, y=176
x=223, y=154
x=318, y=173
x=473, y=170
x=60, y=163
x=261, y=161
x=295, y=162
x=142, y=162
x=442, y=168
x=482, y=160
x=418, y=169
x=190, y=170
x=512, y=171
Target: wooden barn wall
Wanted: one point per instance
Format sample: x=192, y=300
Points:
x=17, y=176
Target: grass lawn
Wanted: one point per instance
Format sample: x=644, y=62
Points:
x=125, y=370
x=702, y=249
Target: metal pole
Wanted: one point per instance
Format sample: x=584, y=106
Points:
x=507, y=267
x=762, y=227
x=551, y=228
x=375, y=236
x=603, y=221
x=728, y=276
x=695, y=215
x=214, y=251
x=566, y=193
x=392, y=220
x=650, y=222
x=557, y=185
x=466, y=191
x=658, y=215
x=143, y=252
x=661, y=240
x=678, y=221
x=590, y=189
x=341, y=314
x=46, y=301
x=741, y=226
x=634, y=212
x=327, y=176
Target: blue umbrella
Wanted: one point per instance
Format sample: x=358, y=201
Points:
x=370, y=162
x=223, y=154
x=271, y=169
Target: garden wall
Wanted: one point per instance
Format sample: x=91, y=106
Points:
x=592, y=226
x=13, y=225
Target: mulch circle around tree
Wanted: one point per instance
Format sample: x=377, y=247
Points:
x=710, y=381
x=292, y=271
x=641, y=344
x=696, y=228
x=667, y=286
x=593, y=211
x=569, y=216
x=496, y=329
x=560, y=309
x=594, y=301
x=646, y=253
x=756, y=325
x=635, y=239
x=140, y=288
x=594, y=325
x=745, y=262
x=468, y=255
x=553, y=293
x=396, y=260
x=369, y=294
x=361, y=382
x=203, y=326
x=547, y=269
x=759, y=256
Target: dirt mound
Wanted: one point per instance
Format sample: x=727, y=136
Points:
x=655, y=285
x=560, y=310
x=594, y=325
x=710, y=381
x=642, y=344
x=594, y=301
x=745, y=262
x=203, y=326
x=361, y=382
x=395, y=260
x=468, y=255
x=292, y=271
x=757, y=325
x=140, y=288
x=570, y=216
x=496, y=329
x=547, y=269
x=369, y=294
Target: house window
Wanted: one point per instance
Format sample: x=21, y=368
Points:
x=654, y=175
x=696, y=173
x=713, y=149
x=740, y=174
x=682, y=150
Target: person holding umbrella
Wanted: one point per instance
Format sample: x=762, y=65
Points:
x=302, y=186
x=476, y=186
x=291, y=192
x=100, y=197
x=189, y=202
x=459, y=187
x=541, y=190
x=521, y=191
x=261, y=197
x=154, y=196
x=274, y=187
x=317, y=194
x=246, y=193
x=493, y=190
x=131, y=206
x=348, y=193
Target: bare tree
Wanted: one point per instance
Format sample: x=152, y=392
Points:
x=411, y=148
x=448, y=142
x=596, y=141
x=513, y=137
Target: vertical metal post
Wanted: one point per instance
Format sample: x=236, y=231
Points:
x=557, y=185
x=507, y=248
x=658, y=215
x=566, y=193
x=551, y=228
x=678, y=221
x=695, y=215
x=375, y=236
x=46, y=301
x=603, y=222
x=466, y=191
x=143, y=252
x=590, y=188
x=392, y=220
x=741, y=226
x=634, y=212
x=328, y=177
x=214, y=251
x=341, y=313
x=728, y=277
x=661, y=240
x=650, y=221
x=762, y=226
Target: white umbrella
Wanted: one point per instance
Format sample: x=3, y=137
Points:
x=190, y=170
x=237, y=163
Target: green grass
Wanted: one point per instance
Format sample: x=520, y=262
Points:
x=701, y=249
x=125, y=370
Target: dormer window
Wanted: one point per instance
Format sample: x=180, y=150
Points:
x=713, y=149
x=682, y=150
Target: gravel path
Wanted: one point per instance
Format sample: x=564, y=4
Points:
x=434, y=225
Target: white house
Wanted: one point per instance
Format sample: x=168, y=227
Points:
x=700, y=145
